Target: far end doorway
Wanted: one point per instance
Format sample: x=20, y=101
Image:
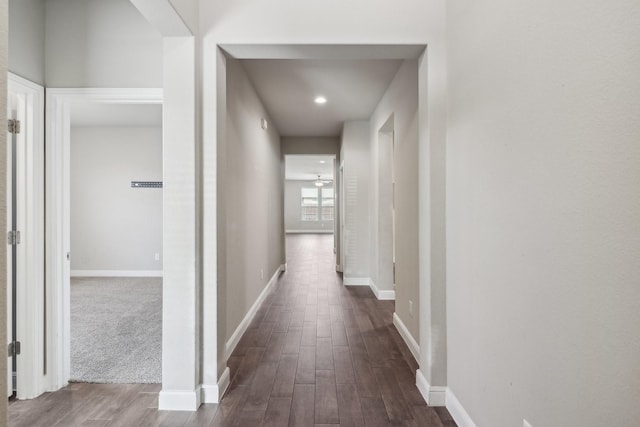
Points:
x=310, y=203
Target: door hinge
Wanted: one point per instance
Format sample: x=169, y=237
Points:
x=14, y=348
x=13, y=237
x=14, y=126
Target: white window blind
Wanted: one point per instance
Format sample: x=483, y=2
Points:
x=327, y=204
x=309, y=204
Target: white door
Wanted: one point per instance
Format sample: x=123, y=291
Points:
x=11, y=242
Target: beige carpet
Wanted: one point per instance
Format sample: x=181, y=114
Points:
x=116, y=330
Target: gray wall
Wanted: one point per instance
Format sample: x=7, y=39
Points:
x=310, y=145
x=113, y=226
x=26, y=39
x=401, y=101
x=293, y=209
x=543, y=212
x=356, y=155
x=253, y=196
x=100, y=43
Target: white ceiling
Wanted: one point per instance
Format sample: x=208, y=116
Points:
x=307, y=168
x=116, y=115
x=288, y=87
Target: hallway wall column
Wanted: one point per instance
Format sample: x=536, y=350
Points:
x=181, y=314
x=216, y=374
x=431, y=378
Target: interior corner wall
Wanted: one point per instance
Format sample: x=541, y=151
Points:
x=27, y=39
x=355, y=152
x=97, y=43
x=254, y=197
x=115, y=227
x=401, y=101
x=543, y=208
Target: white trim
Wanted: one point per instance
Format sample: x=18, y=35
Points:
x=214, y=393
x=382, y=294
x=366, y=281
x=457, y=411
x=356, y=281
x=31, y=380
x=58, y=127
x=433, y=395
x=162, y=15
x=170, y=400
x=309, y=231
x=414, y=347
x=244, y=324
x=116, y=273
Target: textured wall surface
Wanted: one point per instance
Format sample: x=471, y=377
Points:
x=543, y=210
x=400, y=101
x=26, y=39
x=113, y=226
x=97, y=43
x=254, y=198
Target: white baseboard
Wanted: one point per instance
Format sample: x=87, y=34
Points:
x=382, y=294
x=169, y=400
x=242, y=327
x=433, y=395
x=116, y=273
x=356, y=281
x=214, y=393
x=457, y=411
x=366, y=281
x=413, y=345
x=308, y=231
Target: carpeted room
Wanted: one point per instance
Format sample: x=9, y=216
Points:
x=116, y=244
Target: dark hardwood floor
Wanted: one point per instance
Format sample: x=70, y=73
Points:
x=316, y=354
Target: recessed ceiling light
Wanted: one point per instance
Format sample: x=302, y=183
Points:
x=320, y=100
x=322, y=161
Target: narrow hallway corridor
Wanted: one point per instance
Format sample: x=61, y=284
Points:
x=316, y=354
x=319, y=353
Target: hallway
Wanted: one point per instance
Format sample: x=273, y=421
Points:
x=317, y=353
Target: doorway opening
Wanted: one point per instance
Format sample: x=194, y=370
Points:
x=310, y=196
x=115, y=243
x=25, y=238
x=103, y=179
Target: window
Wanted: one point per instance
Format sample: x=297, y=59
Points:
x=327, y=204
x=309, y=204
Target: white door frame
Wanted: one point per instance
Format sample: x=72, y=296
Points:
x=341, y=212
x=31, y=376
x=59, y=102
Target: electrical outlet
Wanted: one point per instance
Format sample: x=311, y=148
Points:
x=411, y=307
x=525, y=423
x=261, y=273
x=157, y=256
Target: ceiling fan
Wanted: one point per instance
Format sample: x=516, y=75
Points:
x=320, y=182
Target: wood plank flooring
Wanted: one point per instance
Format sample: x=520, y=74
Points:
x=316, y=354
